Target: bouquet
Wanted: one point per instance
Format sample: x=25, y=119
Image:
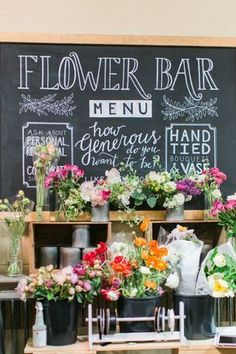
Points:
x=184, y=243
x=139, y=269
x=220, y=270
x=96, y=193
x=44, y=157
x=16, y=209
x=217, y=275
x=226, y=212
x=169, y=190
x=209, y=182
x=80, y=282
x=65, y=181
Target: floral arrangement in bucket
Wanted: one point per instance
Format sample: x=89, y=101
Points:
x=168, y=190
x=49, y=284
x=45, y=157
x=97, y=194
x=65, y=181
x=140, y=269
x=17, y=208
x=122, y=185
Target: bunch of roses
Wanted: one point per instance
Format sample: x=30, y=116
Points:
x=60, y=284
x=139, y=269
x=210, y=180
x=96, y=193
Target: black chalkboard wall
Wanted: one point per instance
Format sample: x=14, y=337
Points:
x=109, y=103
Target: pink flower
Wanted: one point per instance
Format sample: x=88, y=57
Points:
x=106, y=194
x=230, y=204
x=217, y=207
x=110, y=294
x=87, y=286
x=219, y=176
x=74, y=278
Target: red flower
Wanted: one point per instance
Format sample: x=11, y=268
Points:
x=101, y=248
x=90, y=257
x=106, y=194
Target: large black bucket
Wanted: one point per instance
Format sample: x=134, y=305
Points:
x=138, y=307
x=61, y=320
x=199, y=311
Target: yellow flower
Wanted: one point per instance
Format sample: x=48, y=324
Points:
x=182, y=228
x=219, y=287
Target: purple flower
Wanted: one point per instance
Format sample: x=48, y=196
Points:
x=79, y=269
x=188, y=186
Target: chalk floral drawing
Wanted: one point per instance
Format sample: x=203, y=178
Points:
x=47, y=104
x=193, y=110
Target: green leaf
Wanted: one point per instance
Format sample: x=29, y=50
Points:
x=151, y=201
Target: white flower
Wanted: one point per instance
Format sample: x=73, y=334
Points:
x=201, y=178
x=219, y=260
x=144, y=270
x=218, y=286
x=172, y=281
x=154, y=177
x=119, y=249
x=216, y=193
x=169, y=187
x=178, y=199
x=86, y=190
x=113, y=176
x=125, y=198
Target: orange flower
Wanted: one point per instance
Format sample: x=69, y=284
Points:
x=162, y=251
x=151, y=284
x=140, y=242
x=144, y=225
x=144, y=254
x=156, y=263
x=153, y=244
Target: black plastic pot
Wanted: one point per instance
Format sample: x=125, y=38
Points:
x=199, y=311
x=138, y=307
x=61, y=320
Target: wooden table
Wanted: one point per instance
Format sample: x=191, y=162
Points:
x=191, y=347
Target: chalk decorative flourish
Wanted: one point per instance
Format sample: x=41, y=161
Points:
x=48, y=104
x=194, y=110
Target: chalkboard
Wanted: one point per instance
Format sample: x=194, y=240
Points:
x=104, y=104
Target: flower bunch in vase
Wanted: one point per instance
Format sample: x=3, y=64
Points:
x=209, y=182
x=16, y=209
x=97, y=194
x=167, y=190
x=123, y=184
x=45, y=157
x=65, y=181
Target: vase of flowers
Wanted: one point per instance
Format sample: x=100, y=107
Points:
x=97, y=194
x=136, y=273
x=65, y=181
x=45, y=157
x=18, y=207
x=59, y=291
x=209, y=182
